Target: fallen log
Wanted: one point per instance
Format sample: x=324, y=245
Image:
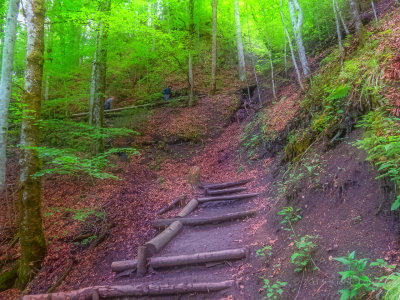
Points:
x=142, y=260
x=182, y=260
x=160, y=223
x=230, y=197
x=191, y=206
x=227, y=184
x=225, y=191
x=135, y=291
x=159, y=242
x=178, y=201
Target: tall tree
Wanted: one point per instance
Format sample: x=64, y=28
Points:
x=214, y=46
x=355, y=14
x=346, y=29
x=338, y=30
x=296, y=15
x=291, y=48
x=6, y=84
x=239, y=42
x=99, y=74
x=31, y=235
x=191, y=47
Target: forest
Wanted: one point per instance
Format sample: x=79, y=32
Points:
x=192, y=149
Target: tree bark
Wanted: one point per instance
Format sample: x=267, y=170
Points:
x=160, y=241
x=239, y=42
x=136, y=290
x=178, y=201
x=227, y=184
x=6, y=84
x=214, y=46
x=230, y=197
x=32, y=241
x=189, y=208
x=204, y=220
x=182, y=260
x=141, y=265
x=99, y=74
x=339, y=32
x=374, y=10
x=355, y=15
x=291, y=49
x=191, y=47
x=226, y=191
x=346, y=29
x=296, y=15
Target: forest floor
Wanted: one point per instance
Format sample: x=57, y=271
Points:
x=340, y=202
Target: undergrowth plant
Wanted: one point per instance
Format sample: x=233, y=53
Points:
x=274, y=290
x=265, y=252
x=290, y=216
x=382, y=143
x=356, y=276
x=303, y=255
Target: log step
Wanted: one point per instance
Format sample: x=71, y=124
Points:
x=227, y=184
x=182, y=260
x=211, y=192
x=160, y=223
x=229, y=197
x=140, y=290
x=191, y=206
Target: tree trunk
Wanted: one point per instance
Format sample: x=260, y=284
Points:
x=214, y=46
x=191, y=35
x=6, y=84
x=189, y=208
x=239, y=42
x=339, y=32
x=230, y=197
x=205, y=220
x=291, y=49
x=225, y=191
x=182, y=260
x=356, y=15
x=227, y=184
x=160, y=241
x=140, y=290
x=296, y=15
x=346, y=29
x=99, y=73
x=31, y=235
x=374, y=10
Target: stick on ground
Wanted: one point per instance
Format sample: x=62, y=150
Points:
x=159, y=242
x=204, y=220
x=212, y=192
x=136, y=290
x=230, y=197
x=191, y=206
x=182, y=260
x=227, y=184
x=178, y=201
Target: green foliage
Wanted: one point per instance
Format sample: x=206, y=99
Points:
x=274, y=290
x=59, y=161
x=392, y=287
x=355, y=275
x=290, y=216
x=303, y=255
x=265, y=252
x=381, y=141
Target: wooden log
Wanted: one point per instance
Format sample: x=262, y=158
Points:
x=161, y=240
x=227, y=184
x=182, y=260
x=204, y=220
x=142, y=260
x=230, y=197
x=140, y=290
x=191, y=206
x=178, y=201
x=225, y=191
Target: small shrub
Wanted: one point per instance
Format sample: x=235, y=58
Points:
x=303, y=256
x=274, y=290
